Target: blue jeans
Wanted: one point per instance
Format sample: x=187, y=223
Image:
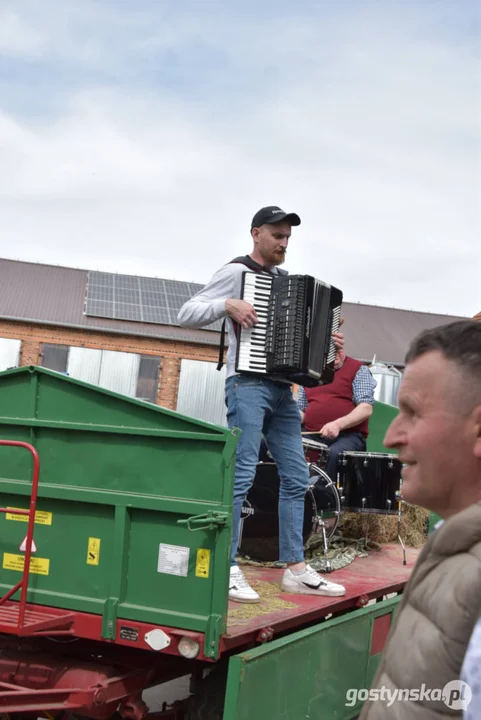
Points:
x=344, y=441
x=264, y=407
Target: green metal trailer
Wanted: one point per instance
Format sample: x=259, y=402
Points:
x=125, y=583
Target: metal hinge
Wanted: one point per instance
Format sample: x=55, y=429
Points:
x=210, y=521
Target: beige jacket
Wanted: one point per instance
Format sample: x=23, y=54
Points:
x=440, y=606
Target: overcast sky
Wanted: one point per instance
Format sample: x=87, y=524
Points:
x=140, y=136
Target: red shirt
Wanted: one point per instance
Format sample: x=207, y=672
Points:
x=331, y=402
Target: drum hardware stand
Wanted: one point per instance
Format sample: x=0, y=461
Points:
x=363, y=503
x=322, y=525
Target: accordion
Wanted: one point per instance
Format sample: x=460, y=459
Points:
x=293, y=337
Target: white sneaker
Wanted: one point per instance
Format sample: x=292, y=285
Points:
x=310, y=583
x=239, y=588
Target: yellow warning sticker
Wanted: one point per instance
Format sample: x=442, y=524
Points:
x=203, y=563
x=93, y=552
x=42, y=517
x=39, y=566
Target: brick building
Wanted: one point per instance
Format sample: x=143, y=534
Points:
x=120, y=332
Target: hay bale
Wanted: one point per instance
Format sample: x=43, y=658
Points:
x=384, y=528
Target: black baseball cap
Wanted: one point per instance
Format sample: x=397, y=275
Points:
x=273, y=214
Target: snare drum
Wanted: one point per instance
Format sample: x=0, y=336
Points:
x=369, y=482
x=315, y=452
x=259, y=532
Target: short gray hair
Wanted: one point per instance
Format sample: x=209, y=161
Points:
x=458, y=341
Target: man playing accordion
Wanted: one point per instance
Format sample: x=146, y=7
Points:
x=262, y=405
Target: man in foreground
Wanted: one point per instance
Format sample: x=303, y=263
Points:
x=438, y=436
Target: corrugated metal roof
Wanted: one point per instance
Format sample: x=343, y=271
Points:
x=385, y=332
x=56, y=295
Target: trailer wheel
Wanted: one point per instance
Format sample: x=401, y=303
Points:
x=208, y=702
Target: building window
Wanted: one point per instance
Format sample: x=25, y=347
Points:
x=127, y=373
x=148, y=377
x=55, y=357
x=9, y=353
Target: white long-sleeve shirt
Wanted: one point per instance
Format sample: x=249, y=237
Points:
x=471, y=674
x=208, y=305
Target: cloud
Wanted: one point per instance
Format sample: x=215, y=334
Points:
x=17, y=37
x=162, y=128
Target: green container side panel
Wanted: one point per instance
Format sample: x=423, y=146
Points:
x=335, y=657
x=62, y=549
x=382, y=416
x=52, y=396
x=18, y=399
x=148, y=584
x=170, y=467
x=121, y=474
x=433, y=520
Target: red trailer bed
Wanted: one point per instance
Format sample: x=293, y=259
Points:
x=375, y=576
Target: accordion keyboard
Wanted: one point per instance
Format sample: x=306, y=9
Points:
x=252, y=342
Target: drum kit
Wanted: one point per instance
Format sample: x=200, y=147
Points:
x=367, y=482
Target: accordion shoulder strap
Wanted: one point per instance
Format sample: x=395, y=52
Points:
x=220, y=362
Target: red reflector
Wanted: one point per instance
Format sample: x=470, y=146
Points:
x=380, y=631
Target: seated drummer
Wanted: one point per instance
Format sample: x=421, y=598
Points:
x=339, y=411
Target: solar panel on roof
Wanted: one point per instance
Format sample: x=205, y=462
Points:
x=138, y=299
x=157, y=315
x=100, y=309
x=128, y=311
x=104, y=278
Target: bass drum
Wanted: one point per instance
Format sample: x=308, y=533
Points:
x=370, y=482
x=259, y=531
